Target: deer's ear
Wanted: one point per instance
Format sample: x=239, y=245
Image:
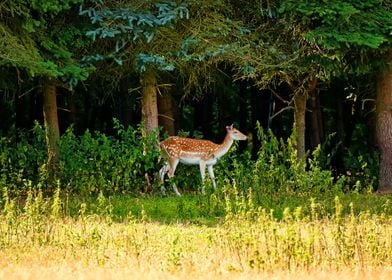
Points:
x=229, y=127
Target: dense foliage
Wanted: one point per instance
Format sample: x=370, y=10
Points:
x=91, y=163
x=94, y=162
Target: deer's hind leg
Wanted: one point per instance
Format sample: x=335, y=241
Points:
x=162, y=172
x=173, y=163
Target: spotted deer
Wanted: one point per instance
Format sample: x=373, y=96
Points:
x=195, y=152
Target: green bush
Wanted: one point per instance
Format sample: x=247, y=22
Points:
x=22, y=159
x=90, y=163
x=277, y=171
x=94, y=162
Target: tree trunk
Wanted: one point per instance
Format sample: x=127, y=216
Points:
x=166, y=112
x=51, y=128
x=384, y=127
x=299, y=116
x=126, y=103
x=341, y=120
x=149, y=112
x=315, y=119
x=149, y=101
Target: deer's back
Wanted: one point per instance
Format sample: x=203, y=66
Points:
x=188, y=147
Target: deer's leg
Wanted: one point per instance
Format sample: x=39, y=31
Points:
x=202, y=166
x=173, y=165
x=211, y=172
x=162, y=172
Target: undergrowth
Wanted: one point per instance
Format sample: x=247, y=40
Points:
x=90, y=163
x=94, y=162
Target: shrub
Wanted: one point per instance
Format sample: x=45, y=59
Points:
x=96, y=163
x=22, y=158
x=277, y=171
x=90, y=163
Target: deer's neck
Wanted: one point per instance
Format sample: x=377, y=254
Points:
x=224, y=147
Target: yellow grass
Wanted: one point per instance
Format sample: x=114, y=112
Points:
x=75, y=271
x=96, y=249
x=37, y=244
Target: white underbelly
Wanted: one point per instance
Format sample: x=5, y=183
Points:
x=196, y=161
x=190, y=161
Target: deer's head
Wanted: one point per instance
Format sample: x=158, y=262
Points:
x=235, y=134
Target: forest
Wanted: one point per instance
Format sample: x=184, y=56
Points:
x=90, y=87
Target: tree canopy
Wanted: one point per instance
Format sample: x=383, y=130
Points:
x=39, y=38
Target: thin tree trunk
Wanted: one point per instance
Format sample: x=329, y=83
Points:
x=166, y=112
x=149, y=112
x=316, y=133
x=340, y=127
x=51, y=128
x=126, y=104
x=384, y=127
x=149, y=101
x=299, y=116
x=72, y=110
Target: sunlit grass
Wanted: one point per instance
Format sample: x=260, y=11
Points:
x=315, y=238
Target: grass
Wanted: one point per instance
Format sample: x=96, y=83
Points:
x=194, y=236
x=77, y=271
x=210, y=209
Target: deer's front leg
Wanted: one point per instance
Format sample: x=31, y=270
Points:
x=202, y=166
x=212, y=176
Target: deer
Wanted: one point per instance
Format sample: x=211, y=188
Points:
x=200, y=152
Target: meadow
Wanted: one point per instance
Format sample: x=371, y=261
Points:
x=273, y=217
x=122, y=237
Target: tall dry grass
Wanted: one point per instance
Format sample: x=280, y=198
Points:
x=39, y=241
